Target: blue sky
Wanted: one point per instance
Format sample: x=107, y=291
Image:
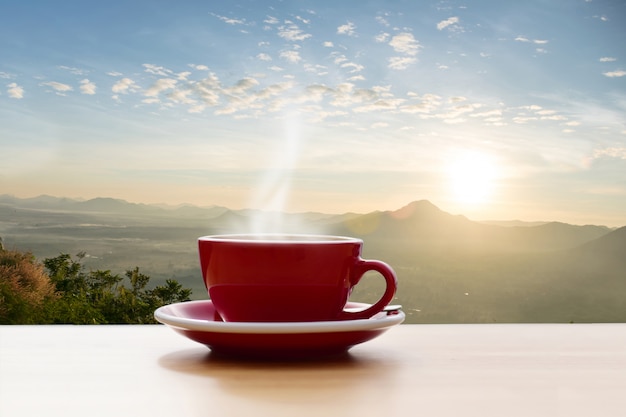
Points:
x=492, y=109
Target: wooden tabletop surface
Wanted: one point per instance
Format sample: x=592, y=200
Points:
x=499, y=370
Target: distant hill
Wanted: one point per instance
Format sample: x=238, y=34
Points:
x=423, y=223
x=510, y=223
x=609, y=249
x=450, y=269
x=108, y=206
x=420, y=222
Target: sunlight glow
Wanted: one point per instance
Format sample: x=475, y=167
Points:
x=471, y=178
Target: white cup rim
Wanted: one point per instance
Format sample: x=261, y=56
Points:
x=280, y=238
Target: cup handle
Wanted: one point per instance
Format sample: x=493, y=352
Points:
x=391, y=281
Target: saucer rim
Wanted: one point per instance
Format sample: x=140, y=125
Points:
x=377, y=322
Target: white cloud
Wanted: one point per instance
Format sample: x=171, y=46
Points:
x=456, y=111
x=382, y=37
x=316, y=69
x=353, y=67
x=5, y=75
x=114, y=73
x=608, y=59
x=454, y=121
x=347, y=29
x=157, y=70
x=323, y=115
x=15, y=91
x=87, y=87
x=531, y=107
x=159, y=86
x=264, y=57
x=303, y=20
x=382, y=21
x=291, y=56
x=448, y=22
x=274, y=90
x=417, y=108
x=380, y=105
x=405, y=43
x=557, y=117
x=208, y=89
x=315, y=93
x=400, y=63
x=181, y=96
x=271, y=20
x=198, y=108
x=383, y=90
x=612, y=152
x=293, y=33
x=328, y=44
x=488, y=114
x=123, y=85
x=339, y=58
x=60, y=88
x=614, y=74
x=242, y=86
x=234, y=106
x=199, y=67
x=429, y=102
x=527, y=40
x=229, y=20
x=75, y=71
x=523, y=119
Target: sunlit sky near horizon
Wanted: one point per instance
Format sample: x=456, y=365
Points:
x=492, y=109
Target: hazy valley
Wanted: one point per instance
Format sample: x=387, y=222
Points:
x=450, y=269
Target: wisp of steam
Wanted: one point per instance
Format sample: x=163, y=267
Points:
x=270, y=198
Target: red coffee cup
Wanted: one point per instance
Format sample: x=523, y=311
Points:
x=287, y=278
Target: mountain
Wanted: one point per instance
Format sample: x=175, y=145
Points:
x=510, y=223
x=422, y=223
x=450, y=269
x=44, y=202
x=195, y=211
x=609, y=249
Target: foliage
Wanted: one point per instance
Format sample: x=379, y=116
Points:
x=69, y=294
x=25, y=289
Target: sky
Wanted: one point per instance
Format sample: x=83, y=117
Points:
x=495, y=110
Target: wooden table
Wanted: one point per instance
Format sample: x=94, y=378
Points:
x=412, y=370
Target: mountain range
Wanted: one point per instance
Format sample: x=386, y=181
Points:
x=450, y=268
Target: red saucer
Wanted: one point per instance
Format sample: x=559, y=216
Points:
x=198, y=321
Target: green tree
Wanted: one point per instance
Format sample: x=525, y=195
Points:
x=69, y=294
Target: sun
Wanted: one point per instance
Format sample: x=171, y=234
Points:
x=471, y=177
